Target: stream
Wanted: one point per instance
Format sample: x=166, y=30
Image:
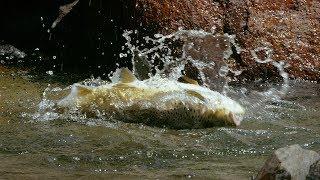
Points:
x=37, y=146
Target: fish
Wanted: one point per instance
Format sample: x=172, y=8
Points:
x=157, y=101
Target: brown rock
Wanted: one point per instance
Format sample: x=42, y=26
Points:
x=291, y=162
x=169, y=15
x=290, y=29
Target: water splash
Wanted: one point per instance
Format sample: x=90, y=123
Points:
x=10, y=52
x=281, y=65
x=169, y=55
x=208, y=52
x=204, y=50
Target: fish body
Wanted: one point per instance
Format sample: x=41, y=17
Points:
x=156, y=102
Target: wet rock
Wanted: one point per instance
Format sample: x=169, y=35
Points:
x=290, y=29
x=169, y=15
x=291, y=162
x=280, y=31
x=314, y=173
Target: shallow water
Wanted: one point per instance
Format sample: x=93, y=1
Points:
x=86, y=148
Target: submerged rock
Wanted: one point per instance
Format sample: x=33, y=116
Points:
x=314, y=173
x=291, y=162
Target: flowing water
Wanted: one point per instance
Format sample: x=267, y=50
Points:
x=42, y=144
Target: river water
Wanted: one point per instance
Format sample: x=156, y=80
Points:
x=34, y=146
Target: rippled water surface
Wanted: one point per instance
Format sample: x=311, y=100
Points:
x=86, y=148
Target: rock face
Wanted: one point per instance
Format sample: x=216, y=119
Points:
x=169, y=15
x=289, y=28
x=291, y=162
x=280, y=30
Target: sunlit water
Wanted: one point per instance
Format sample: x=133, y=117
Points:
x=36, y=143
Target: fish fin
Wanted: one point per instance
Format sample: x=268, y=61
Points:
x=82, y=90
x=189, y=80
x=196, y=94
x=126, y=76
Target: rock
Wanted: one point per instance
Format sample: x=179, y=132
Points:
x=291, y=162
x=169, y=15
x=281, y=30
x=314, y=173
x=83, y=34
x=289, y=28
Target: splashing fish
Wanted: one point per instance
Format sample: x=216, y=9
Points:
x=155, y=101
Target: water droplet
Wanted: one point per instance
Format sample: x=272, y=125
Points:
x=50, y=72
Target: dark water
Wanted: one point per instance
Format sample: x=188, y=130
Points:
x=95, y=148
